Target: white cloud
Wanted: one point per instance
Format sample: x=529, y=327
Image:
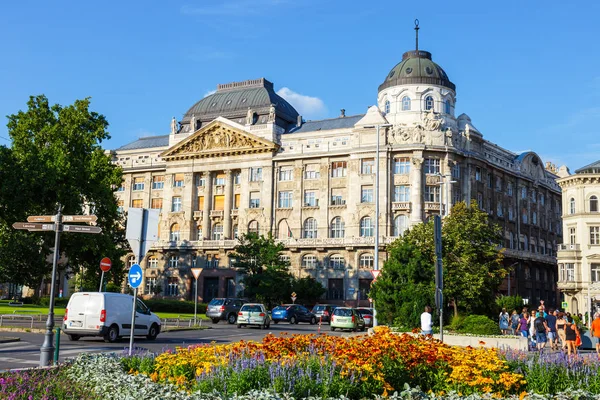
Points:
x=309, y=107
x=209, y=93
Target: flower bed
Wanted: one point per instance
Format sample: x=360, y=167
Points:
x=43, y=384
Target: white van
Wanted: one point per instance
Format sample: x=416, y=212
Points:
x=107, y=315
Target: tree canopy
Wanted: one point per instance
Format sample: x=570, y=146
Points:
x=56, y=157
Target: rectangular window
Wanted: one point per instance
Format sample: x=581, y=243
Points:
x=401, y=193
x=524, y=216
x=480, y=200
x=570, y=269
x=237, y=177
x=200, y=180
x=153, y=262
x=509, y=189
x=309, y=261
x=490, y=180
x=156, y=204
x=594, y=234
x=121, y=188
x=219, y=202
x=172, y=287
x=256, y=174
x=366, y=194
x=511, y=214
x=542, y=199
x=200, y=202
x=120, y=205
x=432, y=194
x=478, y=174
x=285, y=199
x=595, y=273
x=254, y=199
x=150, y=285
x=572, y=236
x=338, y=169
x=335, y=289
x=456, y=171
x=137, y=203
x=310, y=198
x=178, y=180
x=176, y=204
x=311, y=171
x=364, y=287
x=337, y=197
x=173, y=262
x=286, y=174
x=432, y=166
x=367, y=166
x=498, y=184
x=138, y=184
x=533, y=196
x=219, y=180
x=401, y=165
x=523, y=192
x=158, y=182
x=236, y=201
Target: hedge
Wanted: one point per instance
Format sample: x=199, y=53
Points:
x=174, y=306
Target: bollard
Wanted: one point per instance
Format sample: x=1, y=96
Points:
x=57, y=347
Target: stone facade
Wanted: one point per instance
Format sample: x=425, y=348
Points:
x=579, y=254
x=312, y=185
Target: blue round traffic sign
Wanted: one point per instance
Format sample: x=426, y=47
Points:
x=135, y=276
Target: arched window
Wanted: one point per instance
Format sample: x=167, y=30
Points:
x=400, y=225
x=309, y=261
x=448, y=107
x=387, y=106
x=217, y=232
x=406, y=103
x=283, y=230
x=593, y=204
x=253, y=227
x=175, y=235
x=337, y=227
x=428, y=103
x=366, y=227
x=310, y=228
x=572, y=206
x=337, y=262
x=366, y=261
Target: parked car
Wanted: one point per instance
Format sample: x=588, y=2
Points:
x=253, y=314
x=293, y=313
x=224, y=309
x=107, y=315
x=347, y=318
x=367, y=314
x=323, y=311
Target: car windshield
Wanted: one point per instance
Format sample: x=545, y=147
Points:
x=364, y=312
x=216, y=302
x=280, y=308
x=319, y=308
x=254, y=308
x=343, y=312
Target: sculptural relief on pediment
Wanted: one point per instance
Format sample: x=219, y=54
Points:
x=430, y=130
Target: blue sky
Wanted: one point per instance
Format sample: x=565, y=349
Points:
x=526, y=72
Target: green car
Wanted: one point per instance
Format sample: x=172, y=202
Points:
x=253, y=314
x=347, y=318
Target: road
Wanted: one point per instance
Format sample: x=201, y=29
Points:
x=26, y=352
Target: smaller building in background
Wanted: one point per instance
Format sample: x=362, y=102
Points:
x=579, y=255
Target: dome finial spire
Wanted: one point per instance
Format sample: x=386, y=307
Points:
x=417, y=34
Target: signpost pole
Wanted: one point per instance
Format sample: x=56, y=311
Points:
x=101, y=280
x=47, y=349
x=132, y=321
x=135, y=280
x=196, y=302
x=439, y=272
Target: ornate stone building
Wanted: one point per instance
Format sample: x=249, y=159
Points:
x=242, y=160
x=579, y=254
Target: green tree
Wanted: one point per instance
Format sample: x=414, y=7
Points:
x=307, y=289
x=265, y=275
x=55, y=157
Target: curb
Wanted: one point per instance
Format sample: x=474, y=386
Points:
x=6, y=339
x=17, y=329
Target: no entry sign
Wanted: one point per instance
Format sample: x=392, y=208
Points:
x=105, y=264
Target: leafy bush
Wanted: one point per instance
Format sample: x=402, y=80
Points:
x=457, y=322
x=59, y=302
x=174, y=306
x=479, y=325
x=510, y=303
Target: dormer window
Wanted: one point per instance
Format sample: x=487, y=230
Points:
x=428, y=103
x=387, y=106
x=406, y=103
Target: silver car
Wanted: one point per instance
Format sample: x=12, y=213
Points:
x=253, y=314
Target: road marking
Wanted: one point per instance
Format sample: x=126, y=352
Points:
x=19, y=360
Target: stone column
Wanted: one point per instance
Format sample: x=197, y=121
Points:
x=227, y=205
x=207, y=204
x=416, y=189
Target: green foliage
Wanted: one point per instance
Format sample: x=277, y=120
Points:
x=479, y=325
x=457, y=322
x=510, y=303
x=56, y=157
x=113, y=287
x=59, y=302
x=308, y=290
x=174, y=306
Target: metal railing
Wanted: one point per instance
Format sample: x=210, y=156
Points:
x=18, y=316
x=179, y=322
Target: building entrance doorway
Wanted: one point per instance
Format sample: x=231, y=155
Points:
x=211, y=289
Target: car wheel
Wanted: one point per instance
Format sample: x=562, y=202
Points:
x=74, y=338
x=363, y=328
x=268, y=325
x=275, y=322
x=112, y=335
x=354, y=329
x=215, y=320
x=293, y=320
x=153, y=332
x=263, y=326
x=332, y=329
x=313, y=321
x=231, y=318
x=239, y=326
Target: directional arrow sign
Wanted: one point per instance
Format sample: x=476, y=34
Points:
x=41, y=218
x=81, y=229
x=79, y=218
x=33, y=227
x=135, y=276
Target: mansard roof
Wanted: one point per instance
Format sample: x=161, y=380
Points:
x=147, y=143
x=327, y=124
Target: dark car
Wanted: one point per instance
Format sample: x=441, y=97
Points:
x=367, y=314
x=293, y=313
x=323, y=311
x=224, y=309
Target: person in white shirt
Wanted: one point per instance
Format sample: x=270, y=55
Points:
x=426, y=328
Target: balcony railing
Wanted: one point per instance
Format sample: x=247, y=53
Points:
x=197, y=215
x=432, y=206
x=234, y=212
x=216, y=213
x=522, y=254
x=402, y=205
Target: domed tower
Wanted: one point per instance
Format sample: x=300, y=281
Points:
x=417, y=86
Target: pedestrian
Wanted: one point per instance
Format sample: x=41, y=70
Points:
x=595, y=330
x=531, y=321
x=503, y=320
x=551, y=322
x=541, y=330
x=426, y=324
x=571, y=333
x=514, y=323
x=560, y=329
x=523, y=324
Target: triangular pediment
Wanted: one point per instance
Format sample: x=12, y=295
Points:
x=219, y=138
x=593, y=257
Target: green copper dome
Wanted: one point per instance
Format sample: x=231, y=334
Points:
x=417, y=67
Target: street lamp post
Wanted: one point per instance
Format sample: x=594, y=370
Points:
x=444, y=185
x=376, y=255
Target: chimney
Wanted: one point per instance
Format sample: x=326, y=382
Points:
x=343, y=113
x=299, y=121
